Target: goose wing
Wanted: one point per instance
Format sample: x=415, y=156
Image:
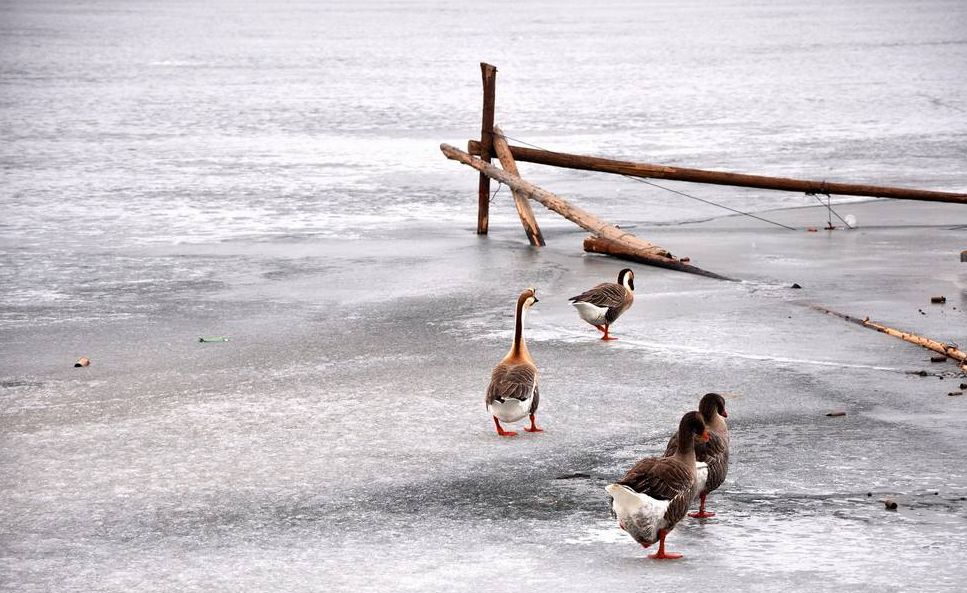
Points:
x=662, y=478
x=537, y=398
x=716, y=454
x=607, y=294
x=512, y=381
x=714, y=447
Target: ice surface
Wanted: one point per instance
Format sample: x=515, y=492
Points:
x=271, y=174
x=342, y=444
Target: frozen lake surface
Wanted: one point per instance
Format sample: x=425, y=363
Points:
x=272, y=175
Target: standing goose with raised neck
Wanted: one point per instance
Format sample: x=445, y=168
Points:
x=715, y=453
x=654, y=495
x=513, y=392
x=602, y=305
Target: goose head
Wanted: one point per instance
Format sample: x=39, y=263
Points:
x=712, y=404
x=527, y=299
x=692, y=424
x=626, y=278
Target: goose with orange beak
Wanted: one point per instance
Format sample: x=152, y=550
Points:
x=714, y=453
x=654, y=495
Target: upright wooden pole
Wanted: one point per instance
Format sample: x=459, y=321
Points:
x=489, y=75
x=527, y=219
x=651, y=171
x=645, y=252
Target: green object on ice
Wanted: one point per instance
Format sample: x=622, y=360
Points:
x=207, y=339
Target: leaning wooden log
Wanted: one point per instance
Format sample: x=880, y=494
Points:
x=524, y=210
x=652, y=171
x=593, y=244
x=948, y=350
x=647, y=252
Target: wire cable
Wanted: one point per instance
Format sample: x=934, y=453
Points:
x=830, y=208
x=674, y=191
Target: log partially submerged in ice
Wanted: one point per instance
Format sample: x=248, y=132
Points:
x=642, y=251
x=621, y=250
x=948, y=350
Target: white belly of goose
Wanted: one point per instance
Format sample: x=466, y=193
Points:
x=511, y=410
x=638, y=514
x=593, y=314
x=701, y=477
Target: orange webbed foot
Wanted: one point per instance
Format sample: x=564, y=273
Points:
x=701, y=515
x=666, y=556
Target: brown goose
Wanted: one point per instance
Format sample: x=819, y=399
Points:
x=715, y=453
x=654, y=495
x=513, y=393
x=604, y=303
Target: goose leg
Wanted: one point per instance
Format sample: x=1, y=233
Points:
x=533, y=426
x=607, y=336
x=702, y=513
x=661, y=554
x=501, y=431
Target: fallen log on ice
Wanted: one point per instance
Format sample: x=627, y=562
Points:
x=948, y=350
x=593, y=244
x=643, y=251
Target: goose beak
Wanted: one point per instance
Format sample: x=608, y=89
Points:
x=724, y=414
x=705, y=437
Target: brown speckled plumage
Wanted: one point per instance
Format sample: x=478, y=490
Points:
x=669, y=479
x=715, y=452
x=513, y=380
x=610, y=295
x=664, y=478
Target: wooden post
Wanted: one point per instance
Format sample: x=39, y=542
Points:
x=489, y=75
x=948, y=350
x=645, y=252
x=527, y=219
x=647, y=170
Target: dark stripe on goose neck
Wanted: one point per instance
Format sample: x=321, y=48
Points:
x=519, y=329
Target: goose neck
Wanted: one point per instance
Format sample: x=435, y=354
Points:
x=519, y=348
x=686, y=447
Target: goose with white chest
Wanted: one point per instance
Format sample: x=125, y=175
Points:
x=602, y=305
x=654, y=495
x=513, y=392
